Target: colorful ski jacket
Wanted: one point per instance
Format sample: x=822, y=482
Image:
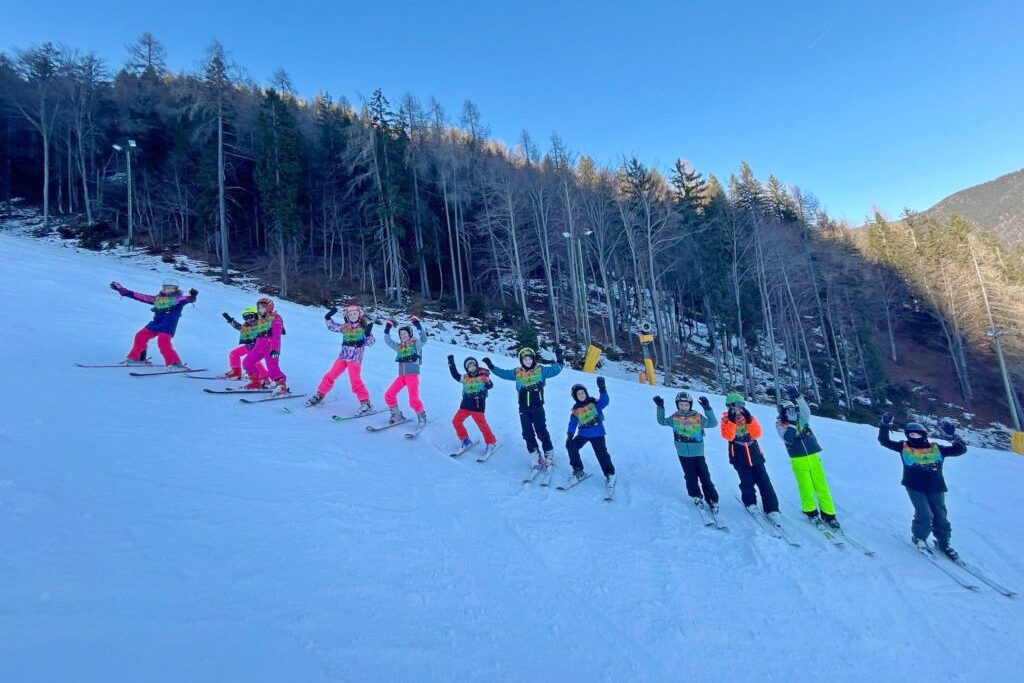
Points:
x=247, y=334
x=474, y=388
x=272, y=327
x=799, y=439
x=742, y=435
x=530, y=383
x=688, y=430
x=355, y=338
x=409, y=354
x=166, y=309
x=922, y=461
x=588, y=416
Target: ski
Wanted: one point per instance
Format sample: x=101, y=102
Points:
x=346, y=418
x=388, y=425
x=417, y=430
x=609, y=489
x=573, y=482
x=984, y=578
x=460, y=449
x=270, y=398
x=533, y=474
x=221, y=377
x=118, y=365
x=487, y=455
x=928, y=554
x=854, y=543
x=164, y=372
x=761, y=521
x=830, y=535
x=782, y=533
x=238, y=390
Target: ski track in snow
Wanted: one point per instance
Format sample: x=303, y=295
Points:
x=151, y=532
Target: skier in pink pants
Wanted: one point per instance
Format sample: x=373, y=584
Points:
x=247, y=335
x=267, y=347
x=357, y=334
x=409, y=352
x=167, y=306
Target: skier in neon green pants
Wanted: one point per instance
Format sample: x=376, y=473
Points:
x=805, y=457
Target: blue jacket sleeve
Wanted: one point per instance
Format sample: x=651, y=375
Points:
x=573, y=422
x=503, y=373
x=603, y=400
x=549, y=371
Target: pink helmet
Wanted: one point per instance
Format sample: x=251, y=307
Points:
x=354, y=307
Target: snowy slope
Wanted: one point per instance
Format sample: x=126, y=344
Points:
x=151, y=532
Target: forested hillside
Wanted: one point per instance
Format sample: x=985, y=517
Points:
x=400, y=200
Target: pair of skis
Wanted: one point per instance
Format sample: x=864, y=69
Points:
x=157, y=373
x=765, y=523
x=417, y=430
x=708, y=516
x=484, y=457
x=945, y=565
x=609, y=486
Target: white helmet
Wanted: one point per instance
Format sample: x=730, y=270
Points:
x=171, y=282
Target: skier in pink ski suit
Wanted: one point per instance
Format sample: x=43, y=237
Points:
x=357, y=333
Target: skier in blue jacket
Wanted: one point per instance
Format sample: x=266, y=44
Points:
x=586, y=425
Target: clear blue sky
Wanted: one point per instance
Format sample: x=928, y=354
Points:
x=890, y=103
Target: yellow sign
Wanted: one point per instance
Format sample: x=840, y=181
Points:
x=590, y=361
x=1017, y=443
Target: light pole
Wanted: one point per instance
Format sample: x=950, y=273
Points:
x=994, y=334
x=131, y=216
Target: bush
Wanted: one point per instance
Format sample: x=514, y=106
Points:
x=526, y=335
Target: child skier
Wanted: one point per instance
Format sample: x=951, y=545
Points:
x=922, y=477
x=409, y=355
x=742, y=431
x=530, y=378
x=794, y=427
x=167, y=307
x=688, y=426
x=586, y=425
x=357, y=334
x=267, y=347
x=476, y=382
x=247, y=335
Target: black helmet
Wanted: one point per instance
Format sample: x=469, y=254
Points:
x=916, y=427
x=577, y=387
x=470, y=359
x=407, y=329
x=787, y=410
x=684, y=396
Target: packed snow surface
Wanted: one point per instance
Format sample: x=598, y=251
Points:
x=151, y=532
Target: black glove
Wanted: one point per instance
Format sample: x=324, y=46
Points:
x=227, y=316
x=330, y=312
x=746, y=415
x=116, y=286
x=601, y=386
x=558, y=355
x=887, y=418
x=369, y=329
x=792, y=392
x=193, y=292
x=948, y=428
x=416, y=323
x=451, y=359
x=488, y=363
x=704, y=403
x=387, y=327
x=659, y=401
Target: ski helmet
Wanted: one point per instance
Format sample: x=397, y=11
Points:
x=577, y=387
x=354, y=307
x=265, y=301
x=527, y=351
x=470, y=359
x=915, y=428
x=249, y=312
x=789, y=411
x=684, y=396
x=171, y=282
x=734, y=399
x=407, y=329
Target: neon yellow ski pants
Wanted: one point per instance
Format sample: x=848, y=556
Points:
x=810, y=479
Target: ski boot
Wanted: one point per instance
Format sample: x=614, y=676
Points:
x=698, y=501
x=421, y=419
x=549, y=460
x=775, y=517
x=920, y=544
x=466, y=443
x=133, y=362
x=576, y=477
x=233, y=373
x=947, y=550
x=489, y=449
x=255, y=384
x=314, y=399
x=365, y=408
x=396, y=416
x=831, y=522
x=177, y=366
x=281, y=389
x=713, y=507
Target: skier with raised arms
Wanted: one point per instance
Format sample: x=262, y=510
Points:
x=794, y=426
x=357, y=335
x=476, y=382
x=688, y=427
x=742, y=431
x=267, y=348
x=247, y=336
x=586, y=425
x=166, y=307
x=409, y=355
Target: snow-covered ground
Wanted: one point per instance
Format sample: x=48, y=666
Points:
x=151, y=532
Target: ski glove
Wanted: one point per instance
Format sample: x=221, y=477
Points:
x=330, y=312
x=388, y=325
x=416, y=322
x=659, y=401
x=369, y=329
x=948, y=428
x=792, y=392
x=488, y=363
x=116, y=286
x=601, y=386
x=704, y=402
x=746, y=415
x=887, y=418
x=193, y=293
x=451, y=359
x=227, y=316
x=558, y=355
